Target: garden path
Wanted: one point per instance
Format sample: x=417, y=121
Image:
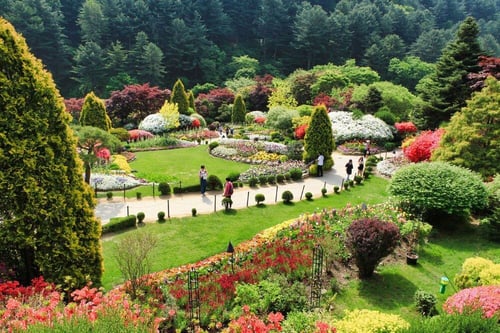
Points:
x=179, y=205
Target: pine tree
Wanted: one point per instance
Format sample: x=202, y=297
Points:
x=94, y=113
x=47, y=224
x=239, y=110
x=319, y=137
x=180, y=97
x=448, y=87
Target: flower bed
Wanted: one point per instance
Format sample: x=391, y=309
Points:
x=389, y=166
x=110, y=182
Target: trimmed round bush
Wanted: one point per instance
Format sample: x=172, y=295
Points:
x=287, y=196
x=259, y=198
x=280, y=178
x=164, y=188
x=262, y=179
x=295, y=174
x=214, y=183
x=438, y=188
x=271, y=179
x=323, y=191
x=140, y=217
x=336, y=189
x=309, y=195
x=252, y=182
x=213, y=145
x=161, y=216
x=369, y=240
x=234, y=176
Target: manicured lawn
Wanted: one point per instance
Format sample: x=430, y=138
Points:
x=179, y=167
x=190, y=239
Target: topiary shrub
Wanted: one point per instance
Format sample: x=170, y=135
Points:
x=438, y=189
x=358, y=179
x=193, y=212
x=295, y=174
x=109, y=195
x=119, y=223
x=287, y=196
x=213, y=144
x=346, y=185
x=252, y=182
x=271, y=179
x=323, y=191
x=425, y=303
x=336, y=189
x=138, y=195
x=214, y=183
x=234, y=176
x=259, y=198
x=369, y=240
x=161, y=216
x=280, y=178
x=313, y=170
x=164, y=188
x=140, y=217
x=262, y=179
x=309, y=195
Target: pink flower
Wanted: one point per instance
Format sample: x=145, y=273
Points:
x=484, y=298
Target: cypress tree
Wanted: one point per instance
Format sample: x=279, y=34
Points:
x=94, y=113
x=191, y=101
x=180, y=97
x=47, y=224
x=239, y=110
x=319, y=137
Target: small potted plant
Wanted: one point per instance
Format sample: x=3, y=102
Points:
x=416, y=233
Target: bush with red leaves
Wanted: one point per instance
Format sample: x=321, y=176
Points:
x=423, y=145
x=370, y=240
x=300, y=131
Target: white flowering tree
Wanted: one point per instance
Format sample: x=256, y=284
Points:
x=154, y=123
x=346, y=128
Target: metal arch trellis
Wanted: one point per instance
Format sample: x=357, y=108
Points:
x=317, y=270
x=194, y=298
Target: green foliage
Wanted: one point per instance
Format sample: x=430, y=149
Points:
x=471, y=322
x=287, y=196
x=294, y=150
x=193, y=212
x=368, y=321
x=492, y=220
x=94, y=113
x=252, y=182
x=336, y=189
x=436, y=188
x=324, y=191
x=161, y=216
x=425, y=303
x=180, y=97
x=280, y=178
x=119, y=223
x=295, y=174
x=140, y=217
x=471, y=138
x=164, y=188
x=271, y=179
x=239, y=110
x=109, y=195
x=369, y=240
x=282, y=95
x=477, y=271
x=213, y=145
x=319, y=136
x=214, y=183
x=309, y=195
x=387, y=116
x=262, y=179
x=259, y=198
x=297, y=322
x=280, y=117
x=120, y=133
x=170, y=112
x=41, y=177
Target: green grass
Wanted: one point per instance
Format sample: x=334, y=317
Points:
x=190, y=239
x=391, y=290
x=179, y=167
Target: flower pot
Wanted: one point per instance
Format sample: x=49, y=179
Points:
x=411, y=258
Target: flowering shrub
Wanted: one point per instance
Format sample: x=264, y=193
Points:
x=195, y=123
x=276, y=169
x=477, y=271
x=105, y=182
x=367, y=321
x=405, y=128
x=121, y=162
x=260, y=120
x=300, y=131
x=423, y=145
x=139, y=134
x=346, y=128
x=263, y=156
x=484, y=298
x=224, y=151
x=154, y=123
x=250, y=323
x=103, y=154
x=389, y=166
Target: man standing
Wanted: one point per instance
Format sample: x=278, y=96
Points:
x=348, y=168
x=321, y=161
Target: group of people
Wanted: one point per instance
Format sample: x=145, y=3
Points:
x=350, y=166
x=228, y=186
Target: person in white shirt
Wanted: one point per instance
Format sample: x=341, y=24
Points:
x=203, y=179
x=321, y=161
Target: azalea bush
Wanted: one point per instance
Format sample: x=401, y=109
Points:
x=250, y=323
x=421, y=147
x=346, y=127
x=483, y=298
x=405, y=128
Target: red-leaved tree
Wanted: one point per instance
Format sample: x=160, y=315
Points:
x=423, y=145
x=300, y=131
x=405, y=128
x=208, y=104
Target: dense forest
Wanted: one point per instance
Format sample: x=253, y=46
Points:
x=102, y=45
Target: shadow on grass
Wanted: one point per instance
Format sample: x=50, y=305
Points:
x=261, y=205
x=230, y=211
x=388, y=291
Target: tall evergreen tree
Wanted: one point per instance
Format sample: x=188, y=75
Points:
x=448, y=87
x=239, y=110
x=319, y=137
x=180, y=97
x=47, y=224
x=94, y=113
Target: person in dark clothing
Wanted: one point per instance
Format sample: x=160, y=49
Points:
x=348, y=169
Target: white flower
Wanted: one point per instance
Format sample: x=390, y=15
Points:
x=106, y=182
x=154, y=123
x=345, y=128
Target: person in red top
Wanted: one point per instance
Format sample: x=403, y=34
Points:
x=228, y=190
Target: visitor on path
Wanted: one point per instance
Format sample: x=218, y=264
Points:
x=361, y=166
x=203, y=179
x=348, y=169
x=321, y=161
x=366, y=150
x=228, y=190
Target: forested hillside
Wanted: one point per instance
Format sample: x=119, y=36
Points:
x=102, y=45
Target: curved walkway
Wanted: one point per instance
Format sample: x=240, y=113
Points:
x=179, y=205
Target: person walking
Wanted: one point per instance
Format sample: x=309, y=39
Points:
x=348, y=168
x=321, y=161
x=361, y=166
x=203, y=174
x=228, y=192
